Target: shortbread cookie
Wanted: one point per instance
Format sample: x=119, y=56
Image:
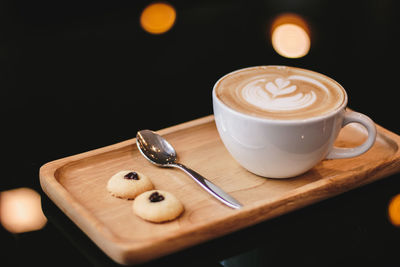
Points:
x=128, y=184
x=157, y=206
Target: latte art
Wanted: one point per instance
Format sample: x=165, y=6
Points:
x=279, y=92
x=277, y=96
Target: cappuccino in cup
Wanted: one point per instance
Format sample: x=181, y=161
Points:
x=279, y=92
x=279, y=121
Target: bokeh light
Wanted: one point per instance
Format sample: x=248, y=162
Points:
x=290, y=36
x=394, y=210
x=158, y=18
x=21, y=210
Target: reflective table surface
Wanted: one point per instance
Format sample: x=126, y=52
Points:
x=80, y=76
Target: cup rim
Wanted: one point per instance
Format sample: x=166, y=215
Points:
x=281, y=121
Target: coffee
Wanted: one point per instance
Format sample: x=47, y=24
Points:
x=279, y=92
x=280, y=122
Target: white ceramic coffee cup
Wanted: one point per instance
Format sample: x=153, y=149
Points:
x=286, y=148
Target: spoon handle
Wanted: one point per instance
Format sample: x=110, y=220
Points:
x=211, y=188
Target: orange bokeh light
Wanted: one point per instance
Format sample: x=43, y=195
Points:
x=394, y=210
x=21, y=211
x=290, y=36
x=158, y=18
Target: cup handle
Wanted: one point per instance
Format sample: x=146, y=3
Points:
x=355, y=117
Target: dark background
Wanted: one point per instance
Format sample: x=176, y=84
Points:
x=76, y=76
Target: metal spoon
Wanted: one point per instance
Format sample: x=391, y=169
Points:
x=159, y=152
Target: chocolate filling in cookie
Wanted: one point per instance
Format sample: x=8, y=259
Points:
x=156, y=197
x=132, y=176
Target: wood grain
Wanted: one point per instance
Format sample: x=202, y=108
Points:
x=77, y=185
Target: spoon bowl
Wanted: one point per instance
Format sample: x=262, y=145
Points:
x=155, y=148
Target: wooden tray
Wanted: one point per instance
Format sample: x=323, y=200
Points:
x=77, y=185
